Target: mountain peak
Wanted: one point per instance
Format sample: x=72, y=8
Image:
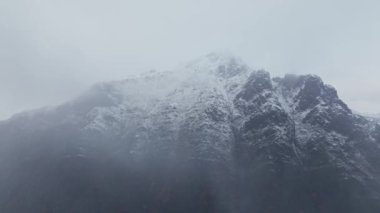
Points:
x=221, y=64
x=210, y=130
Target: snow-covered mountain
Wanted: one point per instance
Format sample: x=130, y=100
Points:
x=212, y=136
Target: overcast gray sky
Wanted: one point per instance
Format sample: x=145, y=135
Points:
x=52, y=50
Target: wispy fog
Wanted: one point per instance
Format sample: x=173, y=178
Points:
x=52, y=50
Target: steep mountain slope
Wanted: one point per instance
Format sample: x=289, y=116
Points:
x=213, y=136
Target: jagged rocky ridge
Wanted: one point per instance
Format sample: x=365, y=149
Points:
x=213, y=136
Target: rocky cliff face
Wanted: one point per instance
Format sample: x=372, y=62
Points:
x=213, y=136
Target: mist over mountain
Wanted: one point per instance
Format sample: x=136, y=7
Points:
x=211, y=136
